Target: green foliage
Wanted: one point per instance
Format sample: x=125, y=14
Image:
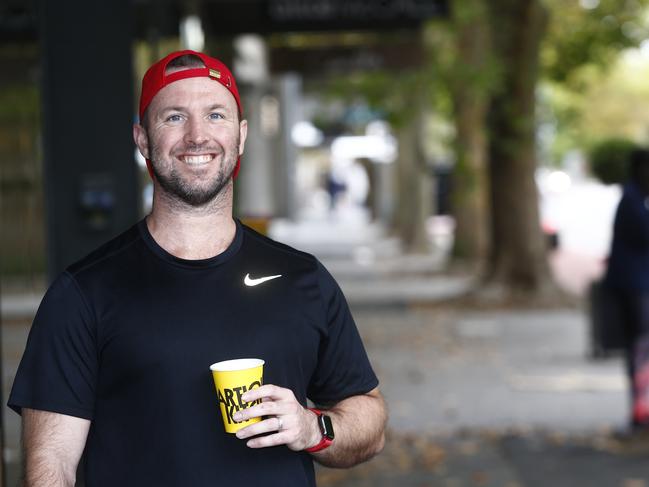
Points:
x=614, y=104
x=461, y=62
x=579, y=36
x=393, y=96
x=590, y=91
x=609, y=159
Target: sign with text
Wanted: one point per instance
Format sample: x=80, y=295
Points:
x=268, y=16
x=365, y=12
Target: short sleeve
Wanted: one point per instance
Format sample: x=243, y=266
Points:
x=343, y=368
x=59, y=367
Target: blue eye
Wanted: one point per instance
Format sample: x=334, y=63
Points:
x=216, y=116
x=174, y=118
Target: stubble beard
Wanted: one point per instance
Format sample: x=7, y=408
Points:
x=181, y=190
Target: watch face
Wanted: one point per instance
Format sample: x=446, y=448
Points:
x=327, y=427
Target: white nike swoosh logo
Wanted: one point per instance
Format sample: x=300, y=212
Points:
x=249, y=281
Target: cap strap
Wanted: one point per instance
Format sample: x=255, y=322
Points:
x=187, y=73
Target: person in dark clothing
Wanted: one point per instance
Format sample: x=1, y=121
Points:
x=117, y=360
x=627, y=277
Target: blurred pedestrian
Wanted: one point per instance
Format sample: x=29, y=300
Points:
x=628, y=278
x=335, y=188
x=117, y=360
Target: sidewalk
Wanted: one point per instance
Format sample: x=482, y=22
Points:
x=504, y=398
x=491, y=460
x=445, y=370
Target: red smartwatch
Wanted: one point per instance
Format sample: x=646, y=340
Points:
x=327, y=430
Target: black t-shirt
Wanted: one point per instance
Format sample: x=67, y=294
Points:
x=125, y=338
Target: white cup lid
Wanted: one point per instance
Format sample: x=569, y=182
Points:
x=237, y=364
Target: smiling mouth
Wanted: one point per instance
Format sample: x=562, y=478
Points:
x=197, y=159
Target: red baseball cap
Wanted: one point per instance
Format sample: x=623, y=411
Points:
x=156, y=78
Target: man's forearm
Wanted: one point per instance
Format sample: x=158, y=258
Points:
x=41, y=472
x=52, y=445
x=359, y=426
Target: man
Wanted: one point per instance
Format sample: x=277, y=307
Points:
x=117, y=361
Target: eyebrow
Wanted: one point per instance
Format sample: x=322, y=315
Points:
x=215, y=106
x=172, y=109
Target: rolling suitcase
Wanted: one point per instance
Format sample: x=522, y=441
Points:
x=607, y=336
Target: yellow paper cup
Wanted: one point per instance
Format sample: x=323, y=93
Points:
x=232, y=379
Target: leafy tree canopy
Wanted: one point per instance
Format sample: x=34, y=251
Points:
x=609, y=159
x=590, y=32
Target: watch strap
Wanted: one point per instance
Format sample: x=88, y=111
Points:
x=326, y=441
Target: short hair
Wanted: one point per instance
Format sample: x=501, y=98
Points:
x=186, y=61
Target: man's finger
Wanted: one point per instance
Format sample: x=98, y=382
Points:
x=267, y=426
x=266, y=441
x=269, y=391
x=268, y=408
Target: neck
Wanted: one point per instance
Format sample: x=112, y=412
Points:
x=192, y=232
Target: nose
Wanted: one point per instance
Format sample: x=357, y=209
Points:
x=195, y=133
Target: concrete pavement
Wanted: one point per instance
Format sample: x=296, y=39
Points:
x=492, y=460
x=447, y=370
x=505, y=398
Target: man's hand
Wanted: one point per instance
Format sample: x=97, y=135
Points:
x=358, y=421
x=294, y=426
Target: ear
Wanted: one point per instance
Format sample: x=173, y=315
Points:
x=243, y=133
x=141, y=139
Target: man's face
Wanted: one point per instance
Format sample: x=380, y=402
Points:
x=193, y=139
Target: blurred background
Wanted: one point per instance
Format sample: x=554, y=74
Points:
x=456, y=164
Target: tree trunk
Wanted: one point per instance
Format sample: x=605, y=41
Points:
x=469, y=89
x=517, y=254
x=415, y=194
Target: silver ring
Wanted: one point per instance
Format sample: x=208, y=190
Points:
x=279, y=423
